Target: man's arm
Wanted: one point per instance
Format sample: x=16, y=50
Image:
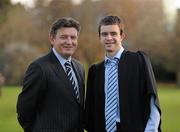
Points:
x=27, y=102
x=89, y=100
x=154, y=118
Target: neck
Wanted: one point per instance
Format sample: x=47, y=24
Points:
x=112, y=54
x=66, y=57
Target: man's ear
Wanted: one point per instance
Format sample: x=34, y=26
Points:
x=122, y=36
x=51, y=39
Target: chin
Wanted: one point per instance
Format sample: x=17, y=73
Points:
x=68, y=54
x=109, y=50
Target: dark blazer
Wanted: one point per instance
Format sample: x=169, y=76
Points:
x=47, y=102
x=136, y=86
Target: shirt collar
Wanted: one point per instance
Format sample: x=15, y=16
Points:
x=61, y=59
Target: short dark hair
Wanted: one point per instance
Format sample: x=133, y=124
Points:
x=111, y=20
x=64, y=22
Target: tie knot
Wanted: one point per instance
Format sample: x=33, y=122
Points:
x=112, y=62
x=115, y=60
x=67, y=64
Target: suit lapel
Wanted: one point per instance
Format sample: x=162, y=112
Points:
x=79, y=77
x=101, y=70
x=100, y=75
x=58, y=69
x=123, y=89
x=121, y=67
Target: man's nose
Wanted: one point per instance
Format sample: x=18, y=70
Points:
x=69, y=40
x=109, y=37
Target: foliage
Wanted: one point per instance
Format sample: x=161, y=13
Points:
x=14, y=60
x=21, y=27
x=144, y=26
x=172, y=54
x=4, y=7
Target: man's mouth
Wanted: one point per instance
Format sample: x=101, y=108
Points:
x=110, y=42
x=68, y=47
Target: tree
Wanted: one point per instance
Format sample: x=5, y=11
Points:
x=14, y=61
x=172, y=60
x=4, y=6
x=143, y=26
x=1, y=83
x=143, y=22
x=177, y=48
x=90, y=48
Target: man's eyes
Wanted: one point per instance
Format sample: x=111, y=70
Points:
x=111, y=33
x=73, y=37
x=66, y=37
x=104, y=34
x=63, y=37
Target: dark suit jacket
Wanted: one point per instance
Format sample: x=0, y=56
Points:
x=136, y=86
x=47, y=102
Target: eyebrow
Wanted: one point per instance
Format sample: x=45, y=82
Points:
x=109, y=32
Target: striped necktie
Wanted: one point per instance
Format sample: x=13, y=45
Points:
x=70, y=76
x=111, y=96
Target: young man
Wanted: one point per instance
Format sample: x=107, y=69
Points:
x=52, y=97
x=121, y=91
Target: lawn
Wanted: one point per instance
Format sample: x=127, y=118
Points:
x=169, y=101
x=170, y=105
x=8, y=99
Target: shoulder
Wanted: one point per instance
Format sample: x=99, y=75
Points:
x=143, y=54
x=39, y=63
x=77, y=62
x=97, y=65
x=145, y=60
x=34, y=70
x=138, y=55
x=130, y=54
x=44, y=60
x=129, y=57
x=143, y=57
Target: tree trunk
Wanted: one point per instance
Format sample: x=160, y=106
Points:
x=178, y=79
x=0, y=90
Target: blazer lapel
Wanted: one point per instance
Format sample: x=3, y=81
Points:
x=79, y=77
x=58, y=69
x=101, y=71
x=123, y=89
x=100, y=75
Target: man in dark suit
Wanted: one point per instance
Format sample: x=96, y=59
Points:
x=52, y=97
x=121, y=92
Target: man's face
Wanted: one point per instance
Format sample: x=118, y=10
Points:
x=65, y=41
x=110, y=38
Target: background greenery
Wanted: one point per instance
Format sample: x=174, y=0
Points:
x=168, y=94
x=24, y=33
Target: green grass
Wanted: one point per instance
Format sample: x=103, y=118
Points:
x=8, y=120
x=170, y=104
x=169, y=100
